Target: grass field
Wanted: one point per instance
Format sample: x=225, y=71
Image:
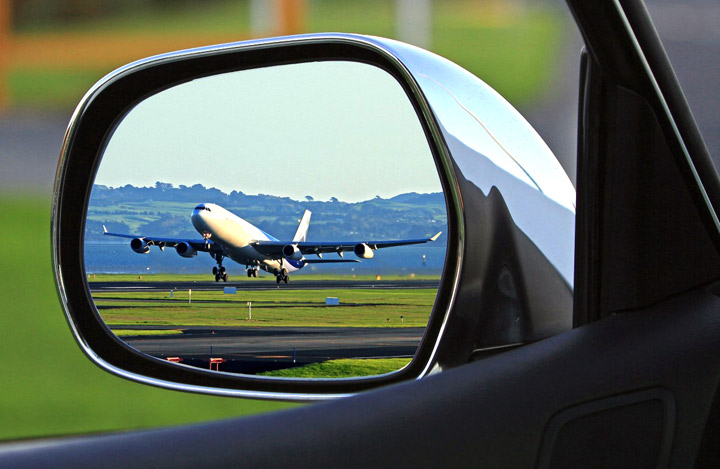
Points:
x=286, y=308
x=512, y=50
x=345, y=368
x=49, y=386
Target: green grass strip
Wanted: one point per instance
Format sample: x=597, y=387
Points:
x=344, y=368
x=271, y=308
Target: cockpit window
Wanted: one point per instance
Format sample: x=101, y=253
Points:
x=202, y=207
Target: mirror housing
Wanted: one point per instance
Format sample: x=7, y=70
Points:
x=508, y=271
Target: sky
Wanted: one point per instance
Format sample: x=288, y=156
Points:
x=321, y=129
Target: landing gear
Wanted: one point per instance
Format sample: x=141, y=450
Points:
x=219, y=271
x=220, y=274
x=282, y=276
x=251, y=271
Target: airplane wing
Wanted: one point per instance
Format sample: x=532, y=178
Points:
x=162, y=242
x=275, y=248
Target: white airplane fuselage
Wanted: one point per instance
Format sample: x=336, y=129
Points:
x=233, y=235
x=227, y=235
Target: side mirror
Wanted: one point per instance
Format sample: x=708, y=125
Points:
x=387, y=145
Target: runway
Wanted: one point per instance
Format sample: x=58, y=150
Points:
x=255, y=349
x=260, y=284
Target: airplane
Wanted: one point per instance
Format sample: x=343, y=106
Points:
x=224, y=234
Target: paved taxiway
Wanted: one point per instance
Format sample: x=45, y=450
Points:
x=260, y=284
x=254, y=349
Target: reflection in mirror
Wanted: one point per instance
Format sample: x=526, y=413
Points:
x=282, y=221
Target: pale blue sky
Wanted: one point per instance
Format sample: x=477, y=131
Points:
x=323, y=129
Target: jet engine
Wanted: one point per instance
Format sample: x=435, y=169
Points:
x=139, y=246
x=363, y=251
x=185, y=250
x=291, y=251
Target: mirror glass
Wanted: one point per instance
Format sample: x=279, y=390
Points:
x=281, y=221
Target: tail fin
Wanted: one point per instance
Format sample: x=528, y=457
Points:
x=301, y=232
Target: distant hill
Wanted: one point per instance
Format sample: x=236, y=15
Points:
x=164, y=210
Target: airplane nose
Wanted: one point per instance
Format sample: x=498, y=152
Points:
x=198, y=217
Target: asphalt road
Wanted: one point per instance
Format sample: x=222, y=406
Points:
x=30, y=144
x=259, y=284
x=254, y=349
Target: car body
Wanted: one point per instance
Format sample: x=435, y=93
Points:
x=633, y=383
